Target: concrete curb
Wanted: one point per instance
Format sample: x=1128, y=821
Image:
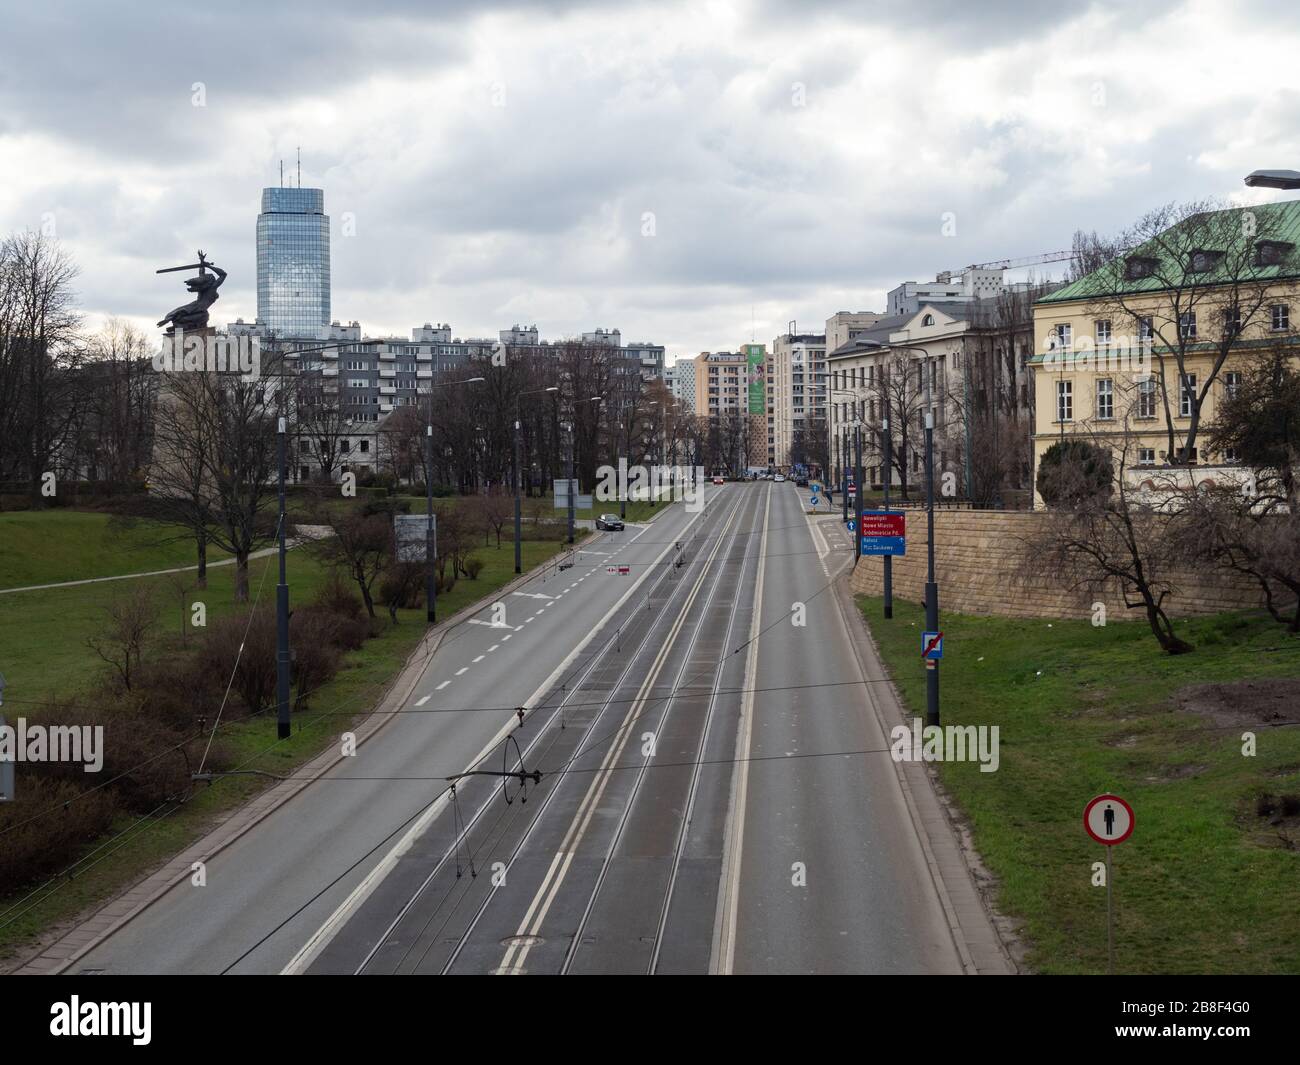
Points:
x=60, y=954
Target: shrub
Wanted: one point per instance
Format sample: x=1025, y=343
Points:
x=473, y=567
x=1073, y=473
x=314, y=638
x=51, y=842
x=253, y=669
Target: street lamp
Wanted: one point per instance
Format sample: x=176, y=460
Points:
x=430, y=584
x=931, y=585
x=519, y=565
x=1273, y=179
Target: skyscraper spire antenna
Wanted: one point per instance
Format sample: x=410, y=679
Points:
x=281, y=173
x=300, y=166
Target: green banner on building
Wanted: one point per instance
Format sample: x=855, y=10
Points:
x=756, y=362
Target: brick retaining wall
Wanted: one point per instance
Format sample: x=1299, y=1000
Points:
x=980, y=569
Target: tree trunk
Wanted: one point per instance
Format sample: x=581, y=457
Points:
x=201, y=539
x=241, y=576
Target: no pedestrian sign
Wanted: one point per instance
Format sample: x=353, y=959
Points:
x=1108, y=819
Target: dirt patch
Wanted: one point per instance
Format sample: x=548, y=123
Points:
x=1243, y=702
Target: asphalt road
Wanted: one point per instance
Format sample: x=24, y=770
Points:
x=715, y=794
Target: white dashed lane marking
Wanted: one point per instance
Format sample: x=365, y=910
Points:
x=443, y=685
x=463, y=669
x=421, y=702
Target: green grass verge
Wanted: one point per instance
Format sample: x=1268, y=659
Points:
x=43, y=654
x=48, y=546
x=1203, y=885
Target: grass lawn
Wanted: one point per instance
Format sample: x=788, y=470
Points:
x=1203, y=885
x=43, y=654
x=47, y=546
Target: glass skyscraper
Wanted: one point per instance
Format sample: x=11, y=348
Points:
x=293, y=262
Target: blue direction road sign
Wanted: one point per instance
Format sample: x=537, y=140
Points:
x=814, y=501
x=884, y=532
x=853, y=525
x=932, y=646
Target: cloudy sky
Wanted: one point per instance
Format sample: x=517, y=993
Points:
x=689, y=173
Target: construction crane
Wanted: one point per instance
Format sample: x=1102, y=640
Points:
x=1011, y=264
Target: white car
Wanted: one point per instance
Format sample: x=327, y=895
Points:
x=779, y=477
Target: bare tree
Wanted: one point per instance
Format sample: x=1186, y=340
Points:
x=39, y=389
x=129, y=618
x=1194, y=281
x=360, y=548
x=1117, y=534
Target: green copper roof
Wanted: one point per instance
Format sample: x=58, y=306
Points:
x=1274, y=221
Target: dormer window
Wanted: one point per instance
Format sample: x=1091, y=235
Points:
x=1202, y=260
x=1272, y=252
x=1138, y=267
x=928, y=320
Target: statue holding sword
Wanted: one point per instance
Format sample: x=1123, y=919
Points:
x=194, y=315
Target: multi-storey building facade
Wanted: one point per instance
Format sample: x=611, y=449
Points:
x=797, y=385
x=293, y=262
x=1217, y=292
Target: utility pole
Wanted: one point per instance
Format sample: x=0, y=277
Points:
x=857, y=486
x=887, y=476
x=844, y=472
x=571, y=486
x=430, y=584
x=282, y=615
x=519, y=564
x=518, y=474
x=6, y=767
x=931, y=586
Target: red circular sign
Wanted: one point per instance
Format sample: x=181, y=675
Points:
x=1108, y=819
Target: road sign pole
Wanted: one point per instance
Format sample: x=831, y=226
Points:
x=1110, y=919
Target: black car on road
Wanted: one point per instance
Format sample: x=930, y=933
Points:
x=610, y=522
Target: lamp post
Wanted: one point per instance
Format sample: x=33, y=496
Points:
x=931, y=586
x=430, y=584
x=519, y=565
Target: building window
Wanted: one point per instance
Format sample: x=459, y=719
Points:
x=1064, y=401
x=1063, y=337
x=1231, y=456
x=1146, y=456
x=1146, y=328
x=1203, y=260
x=1187, y=395
x=1105, y=398
x=1280, y=317
x=1187, y=325
x=1101, y=331
x=1138, y=267
x=1232, y=321
x=1232, y=383
x=1271, y=252
x=928, y=320
x=1146, y=400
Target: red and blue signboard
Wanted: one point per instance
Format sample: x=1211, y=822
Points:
x=882, y=532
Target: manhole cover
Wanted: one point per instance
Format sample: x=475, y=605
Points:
x=522, y=941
